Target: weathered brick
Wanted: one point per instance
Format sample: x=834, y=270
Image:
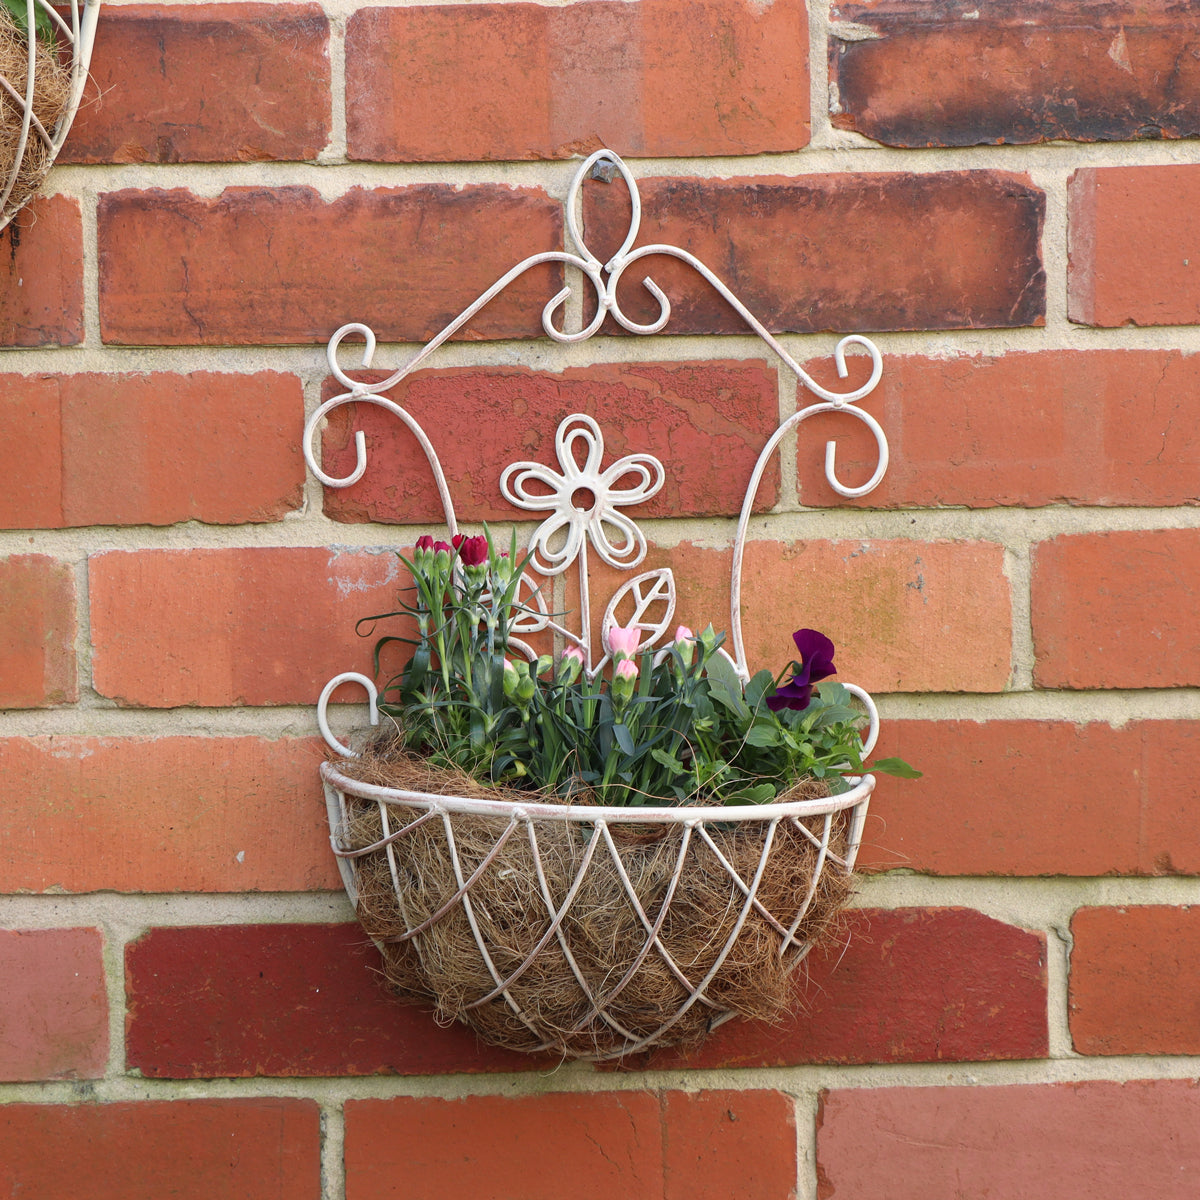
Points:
x=935, y=1143
x=172, y=814
x=1104, y=427
x=53, y=1006
x=706, y=422
x=251, y=1149
x=1037, y=798
x=285, y=1000
x=1135, y=978
x=510, y=81
x=37, y=635
x=206, y=83
x=1132, y=235
x=244, y=626
x=943, y=250
x=1117, y=610
x=913, y=985
x=899, y=612
x=922, y=74
x=262, y=265
x=593, y=1146
x=129, y=450
x=41, y=288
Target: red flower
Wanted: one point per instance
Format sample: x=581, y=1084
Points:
x=472, y=550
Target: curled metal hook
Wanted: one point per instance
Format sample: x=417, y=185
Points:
x=323, y=704
x=881, y=449
x=368, y=354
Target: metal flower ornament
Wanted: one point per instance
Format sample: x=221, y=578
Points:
x=583, y=499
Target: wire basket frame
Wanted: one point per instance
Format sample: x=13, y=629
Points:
x=599, y=1015
x=74, y=31
x=588, y=1017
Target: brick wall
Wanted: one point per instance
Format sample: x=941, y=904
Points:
x=1004, y=198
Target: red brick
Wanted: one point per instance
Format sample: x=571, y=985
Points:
x=284, y=1000
x=913, y=985
x=722, y=1144
x=1102, y=427
x=41, y=288
x=206, y=83
x=237, y=815
x=1135, y=980
x=706, y=422
x=943, y=250
x=1117, y=610
x=899, y=612
x=1037, y=798
x=950, y=1143
x=941, y=75
x=1132, y=236
x=128, y=449
x=510, y=81
x=37, y=636
x=592, y=1146
x=53, y=1007
x=245, y=626
x=251, y=1149
x=257, y=266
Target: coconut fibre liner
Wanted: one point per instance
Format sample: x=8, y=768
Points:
x=601, y=945
x=51, y=95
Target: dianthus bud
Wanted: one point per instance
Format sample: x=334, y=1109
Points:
x=623, y=681
x=570, y=665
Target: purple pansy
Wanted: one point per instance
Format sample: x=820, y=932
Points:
x=816, y=663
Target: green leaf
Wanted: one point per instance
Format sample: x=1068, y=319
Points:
x=668, y=760
x=623, y=737
x=761, y=793
x=835, y=713
x=762, y=734
x=895, y=766
x=758, y=687
x=725, y=686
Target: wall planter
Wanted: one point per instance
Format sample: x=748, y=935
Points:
x=41, y=85
x=589, y=929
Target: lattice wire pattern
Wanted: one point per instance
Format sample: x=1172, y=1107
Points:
x=586, y=932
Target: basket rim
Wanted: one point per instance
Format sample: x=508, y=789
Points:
x=592, y=814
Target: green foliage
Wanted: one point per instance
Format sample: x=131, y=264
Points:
x=681, y=729
x=41, y=19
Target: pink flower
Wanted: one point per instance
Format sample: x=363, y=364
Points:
x=624, y=642
x=626, y=669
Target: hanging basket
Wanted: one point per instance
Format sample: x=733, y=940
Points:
x=41, y=85
x=585, y=931
x=588, y=932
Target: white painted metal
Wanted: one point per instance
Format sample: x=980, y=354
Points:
x=323, y=705
x=576, y=520
x=78, y=34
